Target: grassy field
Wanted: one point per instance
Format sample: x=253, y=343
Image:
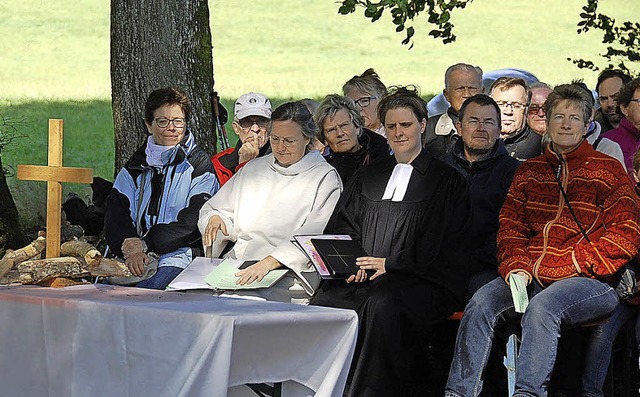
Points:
x=55, y=61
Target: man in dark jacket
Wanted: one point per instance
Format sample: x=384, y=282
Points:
x=461, y=81
x=483, y=160
x=512, y=96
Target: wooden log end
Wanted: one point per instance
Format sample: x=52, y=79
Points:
x=60, y=282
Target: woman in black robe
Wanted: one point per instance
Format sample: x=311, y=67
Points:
x=409, y=211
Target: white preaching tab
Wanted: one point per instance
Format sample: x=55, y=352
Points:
x=397, y=185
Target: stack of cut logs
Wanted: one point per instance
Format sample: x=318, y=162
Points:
x=79, y=260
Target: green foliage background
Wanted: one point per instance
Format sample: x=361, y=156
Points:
x=55, y=61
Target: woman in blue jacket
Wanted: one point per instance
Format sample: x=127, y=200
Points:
x=152, y=211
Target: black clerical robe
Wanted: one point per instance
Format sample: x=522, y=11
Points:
x=423, y=239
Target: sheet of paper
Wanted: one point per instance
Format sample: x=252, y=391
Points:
x=518, y=285
x=223, y=276
x=192, y=277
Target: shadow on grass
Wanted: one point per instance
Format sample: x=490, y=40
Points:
x=88, y=142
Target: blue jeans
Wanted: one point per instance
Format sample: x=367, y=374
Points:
x=162, y=278
x=599, y=349
x=569, y=302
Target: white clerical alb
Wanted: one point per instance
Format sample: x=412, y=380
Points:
x=397, y=185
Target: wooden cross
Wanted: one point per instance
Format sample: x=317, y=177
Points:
x=54, y=174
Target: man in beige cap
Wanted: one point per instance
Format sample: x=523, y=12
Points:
x=251, y=115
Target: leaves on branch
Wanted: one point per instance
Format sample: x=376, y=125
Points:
x=403, y=13
x=623, y=40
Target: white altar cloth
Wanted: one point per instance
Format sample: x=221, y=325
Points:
x=101, y=340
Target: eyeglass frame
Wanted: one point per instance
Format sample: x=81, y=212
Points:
x=368, y=99
x=275, y=140
x=158, y=120
x=535, y=109
x=636, y=100
x=262, y=127
x=512, y=105
x=344, y=127
x=485, y=123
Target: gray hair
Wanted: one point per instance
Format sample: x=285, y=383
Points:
x=332, y=104
x=463, y=67
x=540, y=84
x=572, y=93
x=299, y=114
x=368, y=82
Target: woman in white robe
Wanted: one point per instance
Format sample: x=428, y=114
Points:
x=291, y=191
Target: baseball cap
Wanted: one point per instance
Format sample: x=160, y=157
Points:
x=252, y=104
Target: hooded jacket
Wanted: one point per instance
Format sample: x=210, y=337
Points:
x=538, y=233
x=161, y=204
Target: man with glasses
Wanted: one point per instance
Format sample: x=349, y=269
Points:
x=609, y=83
x=480, y=156
x=251, y=114
x=512, y=96
x=536, y=119
x=461, y=81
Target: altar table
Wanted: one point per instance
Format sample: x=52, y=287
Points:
x=102, y=340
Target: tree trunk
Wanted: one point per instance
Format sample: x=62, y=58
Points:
x=11, y=233
x=156, y=44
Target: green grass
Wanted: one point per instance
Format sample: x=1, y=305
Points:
x=292, y=48
x=55, y=61
x=88, y=142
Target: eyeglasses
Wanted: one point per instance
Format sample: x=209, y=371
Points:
x=476, y=123
x=365, y=101
x=636, y=100
x=247, y=123
x=534, y=109
x=344, y=127
x=164, y=122
x=512, y=105
x=287, y=142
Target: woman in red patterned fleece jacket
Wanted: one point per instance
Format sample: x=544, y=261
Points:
x=571, y=220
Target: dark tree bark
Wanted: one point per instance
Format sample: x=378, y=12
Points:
x=11, y=233
x=157, y=44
